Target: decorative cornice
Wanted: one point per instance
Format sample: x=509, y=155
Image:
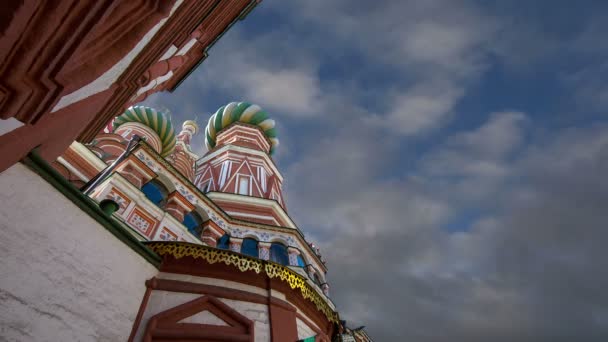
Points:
x=244, y=263
x=262, y=202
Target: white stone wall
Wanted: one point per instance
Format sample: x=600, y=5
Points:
x=255, y=312
x=63, y=277
x=304, y=330
x=160, y=301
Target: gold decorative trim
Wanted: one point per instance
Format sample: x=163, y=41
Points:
x=244, y=263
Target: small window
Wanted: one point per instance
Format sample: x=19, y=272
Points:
x=224, y=242
x=244, y=185
x=278, y=253
x=224, y=173
x=301, y=261
x=155, y=192
x=262, y=176
x=250, y=247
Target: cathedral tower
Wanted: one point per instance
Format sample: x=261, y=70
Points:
x=233, y=263
x=238, y=172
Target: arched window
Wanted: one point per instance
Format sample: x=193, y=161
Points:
x=156, y=192
x=250, y=247
x=193, y=222
x=301, y=261
x=224, y=242
x=278, y=253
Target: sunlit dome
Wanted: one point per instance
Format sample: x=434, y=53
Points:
x=240, y=112
x=156, y=120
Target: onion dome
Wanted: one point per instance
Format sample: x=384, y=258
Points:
x=240, y=112
x=155, y=120
x=191, y=123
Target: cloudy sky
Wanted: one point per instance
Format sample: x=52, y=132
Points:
x=450, y=157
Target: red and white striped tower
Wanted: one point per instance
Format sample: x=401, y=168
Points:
x=238, y=172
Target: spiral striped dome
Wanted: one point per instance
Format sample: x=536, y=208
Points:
x=156, y=120
x=240, y=112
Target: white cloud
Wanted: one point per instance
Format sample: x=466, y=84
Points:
x=286, y=84
x=288, y=92
x=481, y=152
x=508, y=274
x=421, y=108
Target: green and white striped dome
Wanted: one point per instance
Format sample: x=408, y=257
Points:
x=240, y=112
x=156, y=120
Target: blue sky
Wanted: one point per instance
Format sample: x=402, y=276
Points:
x=448, y=156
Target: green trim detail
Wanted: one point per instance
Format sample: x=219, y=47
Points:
x=271, y=132
x=258, y=117
x=238, y=111
x=49, y=174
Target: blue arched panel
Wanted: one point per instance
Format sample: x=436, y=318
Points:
x=155, y=192
x=250, y=247
x=193, y=221
x=224, y=242
x=278, y=253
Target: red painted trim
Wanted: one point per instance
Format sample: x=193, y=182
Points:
x=142, y=309
x=165, y=325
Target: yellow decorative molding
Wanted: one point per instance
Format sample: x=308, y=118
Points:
x=244, y=263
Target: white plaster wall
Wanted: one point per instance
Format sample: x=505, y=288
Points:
x=305, y=316
x=8, y=125
x=304, y=330
x=255, y=312
x=160, y=301
x=63, y=277
x=204, y=317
